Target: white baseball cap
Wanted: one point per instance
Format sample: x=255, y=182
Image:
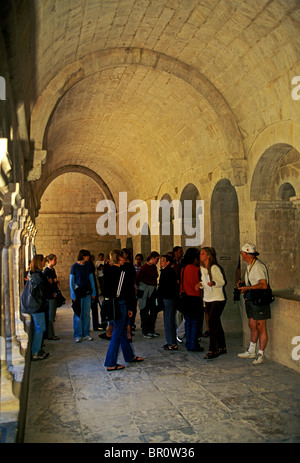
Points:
x=250, y=249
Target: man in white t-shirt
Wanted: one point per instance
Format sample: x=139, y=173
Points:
x=256, y=278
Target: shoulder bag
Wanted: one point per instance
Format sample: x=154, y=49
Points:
x=110, y=308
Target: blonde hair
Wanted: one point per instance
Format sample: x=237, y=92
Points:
x=212, y=259
x=115, y=255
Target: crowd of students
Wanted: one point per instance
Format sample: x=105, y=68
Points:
x=187, y=287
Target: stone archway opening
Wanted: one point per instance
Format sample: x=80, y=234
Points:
x=277, y=216
x=145, y=241
x=166, y=229
x=225, y=240
x=190, y=194
x=67, y=222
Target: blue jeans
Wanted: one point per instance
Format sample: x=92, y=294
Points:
x=81, y=324
x=191, y=333
x=170, y=321
x=52, y=314
x=119, y=339
x=39, y=326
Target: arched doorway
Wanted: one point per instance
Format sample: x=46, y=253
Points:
x=225, y=239
x=277, y=215
x=67, y=221
x=166, y=229
x=191, y=211
x=145, y=241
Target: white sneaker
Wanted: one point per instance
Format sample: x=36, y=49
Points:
x=247, y=355
x=77, y=339
x=259, y=359
x=87, y=338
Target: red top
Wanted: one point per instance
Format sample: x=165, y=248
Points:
x=148, y=274
x=191, y=278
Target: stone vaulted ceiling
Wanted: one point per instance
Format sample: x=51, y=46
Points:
x=142, y=91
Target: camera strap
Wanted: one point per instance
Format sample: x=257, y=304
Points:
x=248, y=272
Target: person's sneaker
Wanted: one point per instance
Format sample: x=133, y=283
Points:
x=148, y=335
x=154, y=335
x=87, y=338
x=247, y=355
x=77, y=339
x=41, y=355
x=259, y=359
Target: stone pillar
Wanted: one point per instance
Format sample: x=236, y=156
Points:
x=13, y=336
x=296, y=202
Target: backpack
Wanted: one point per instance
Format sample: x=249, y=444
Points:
x=32, y=300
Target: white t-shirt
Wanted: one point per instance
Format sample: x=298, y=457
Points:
x=212, y=293
x=258, y=272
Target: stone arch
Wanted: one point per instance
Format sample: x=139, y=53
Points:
x=145, y=241
x=262, y=184
x=166, y=228
x=286, y=191
x=82, y=170
x=277, y=214
x=80, y=69
x=189, y=216
x=67, y=223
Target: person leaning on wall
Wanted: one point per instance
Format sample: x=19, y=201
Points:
x=256, y=278
x=34, y=302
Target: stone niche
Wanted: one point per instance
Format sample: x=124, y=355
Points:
x=67, y=222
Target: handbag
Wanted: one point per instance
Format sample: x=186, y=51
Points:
x=60, y=299
x=262, y=296
x=110, y=307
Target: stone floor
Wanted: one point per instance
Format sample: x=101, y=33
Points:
x=172, y=397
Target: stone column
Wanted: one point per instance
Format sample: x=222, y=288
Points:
x=296, y=202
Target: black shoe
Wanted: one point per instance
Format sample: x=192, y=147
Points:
x=199, y=349
x=104, y=336
x=211, y=355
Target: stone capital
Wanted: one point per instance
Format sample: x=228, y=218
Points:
x=38, y=158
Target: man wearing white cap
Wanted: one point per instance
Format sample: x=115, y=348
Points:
x=256, y=278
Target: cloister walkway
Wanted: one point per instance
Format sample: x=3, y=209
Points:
x=172, y=397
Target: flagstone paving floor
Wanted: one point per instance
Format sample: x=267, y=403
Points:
x=171, y=397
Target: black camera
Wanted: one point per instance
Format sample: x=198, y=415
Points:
x=236, y=295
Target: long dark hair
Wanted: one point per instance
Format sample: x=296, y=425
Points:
x=190, y=255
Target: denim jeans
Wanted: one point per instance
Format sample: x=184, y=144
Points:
x=52, y=314
x=170, y=321
x=119, y=339
x=191, y=333
x=81, y=324
x=39, y=326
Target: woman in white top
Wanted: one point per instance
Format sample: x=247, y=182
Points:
x=212, y=282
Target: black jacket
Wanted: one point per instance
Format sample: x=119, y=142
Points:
x=168, y=287
x=34, y=296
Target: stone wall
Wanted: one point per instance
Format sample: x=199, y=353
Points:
x=283, y=332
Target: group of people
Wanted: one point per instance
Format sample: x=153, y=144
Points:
x=187, y=287
x=40, y=298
